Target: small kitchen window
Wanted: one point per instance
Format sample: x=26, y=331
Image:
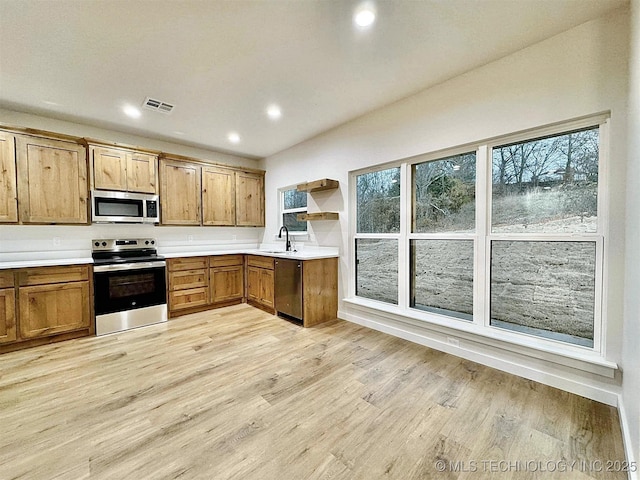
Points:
x=292, y=203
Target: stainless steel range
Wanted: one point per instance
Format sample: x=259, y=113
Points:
x=129, y=284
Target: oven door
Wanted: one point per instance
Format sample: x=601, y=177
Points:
x=129, y=286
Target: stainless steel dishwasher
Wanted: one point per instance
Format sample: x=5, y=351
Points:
x=288, y=292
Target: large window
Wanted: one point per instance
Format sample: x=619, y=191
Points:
x=443, y=215
x=546, y=185
x=545, y=286
x=377, y=233
x=506, y=235
x=292, y=203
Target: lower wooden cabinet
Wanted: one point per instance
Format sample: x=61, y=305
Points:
x=226, y=277
x=8, y=315
x=51, y=309
x=260, y=282
x=188, y=284
x=44, y=304
x=201, y=283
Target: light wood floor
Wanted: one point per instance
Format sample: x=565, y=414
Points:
x=240, y=394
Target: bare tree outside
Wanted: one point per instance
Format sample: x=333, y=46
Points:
x=544, y=288
x=444, y=193
x=547, y=185
x=378, y=201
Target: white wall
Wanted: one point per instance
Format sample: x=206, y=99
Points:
x=18, y=119
x=580, y=72
x=24, y=242
x=631, y=351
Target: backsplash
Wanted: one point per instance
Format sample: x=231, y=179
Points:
x=34, y=242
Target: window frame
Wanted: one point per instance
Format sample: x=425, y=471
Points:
x=482, y=238
x=282, y=211
x=354, y=234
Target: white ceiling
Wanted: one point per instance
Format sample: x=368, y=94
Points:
x=222, y=62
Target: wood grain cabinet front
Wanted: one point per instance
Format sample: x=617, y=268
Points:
x=226, y=277
x=8, y=179
x=180, y=193
x=249, y=199
x=188, y=284
x=46, y=304
x=218, y=196
x=123, y=170
x=44, y=166
x=51, y=309
x=7, y=308
x=260, y=282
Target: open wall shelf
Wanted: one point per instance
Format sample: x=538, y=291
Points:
x=318, y=185
x=306, y=217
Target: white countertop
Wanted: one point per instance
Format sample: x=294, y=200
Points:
x=45, y=262
x=41, y=259
x=301, y=255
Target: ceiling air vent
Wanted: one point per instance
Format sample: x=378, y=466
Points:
x=157, y=105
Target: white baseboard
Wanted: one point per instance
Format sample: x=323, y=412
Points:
x=626, y=438
x=515, y=367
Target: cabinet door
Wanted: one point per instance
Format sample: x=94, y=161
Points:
x=56, y=308
x=141, y=172
x=253, y=283
x=109, y=169
x=227, y=283
x=249, y=199
x=218, y=196
x=267, y=288
x=7, y=315
x=52, y=185
x=8, y=198
x=180, y=193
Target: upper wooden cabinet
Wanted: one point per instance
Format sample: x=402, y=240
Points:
x=52, y=180
x=249, y=199
x=124, y=170
x=180, y=193
x=218, y=196
x=8, y=179
x=196, y=193
x=141, y=172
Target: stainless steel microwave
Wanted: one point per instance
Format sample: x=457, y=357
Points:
x=124, y=207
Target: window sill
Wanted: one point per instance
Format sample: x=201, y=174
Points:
x=576, y=357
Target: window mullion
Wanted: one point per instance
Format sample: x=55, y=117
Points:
x=403, y=244
x=481, y=251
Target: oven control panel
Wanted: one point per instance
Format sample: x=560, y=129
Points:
x=114, y=245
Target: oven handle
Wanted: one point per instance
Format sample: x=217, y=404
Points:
x=128, y=266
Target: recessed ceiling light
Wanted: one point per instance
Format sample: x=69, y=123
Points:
x=131, y=111
x=364, y=15
x=274, y=112
x=233, y=137
x=53, y=104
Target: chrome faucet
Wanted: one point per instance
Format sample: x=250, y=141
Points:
x=288, y=244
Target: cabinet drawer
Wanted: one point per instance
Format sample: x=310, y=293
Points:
x=225, y=260
x=193, y=297
x=6, y=278
x=258, y=261
x=47, y=275
x=187, y=263
x=185, y=279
